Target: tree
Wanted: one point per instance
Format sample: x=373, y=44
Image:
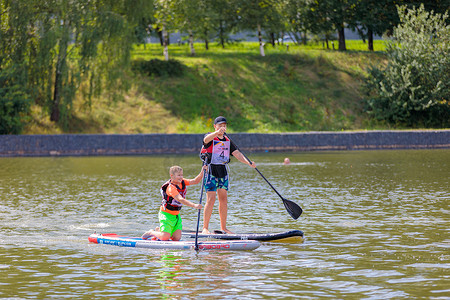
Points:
x=165, y=21
x=296, y=20
x=224, y=18
x=275, y=22
x=191, y=16
x=14, y=101
x=374, y=17
x=205, y=23
x=316, y=19
x=414, y=88
x=257, y=15
x=337, y=13
x=437, y=6
x=64, y=41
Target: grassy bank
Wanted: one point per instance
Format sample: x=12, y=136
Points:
x=302, y=88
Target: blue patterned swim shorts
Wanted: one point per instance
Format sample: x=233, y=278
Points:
x=213, y=183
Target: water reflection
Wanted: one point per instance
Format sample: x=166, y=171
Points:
x=170, y=273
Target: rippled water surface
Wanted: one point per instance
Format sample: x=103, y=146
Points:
x=376, y=225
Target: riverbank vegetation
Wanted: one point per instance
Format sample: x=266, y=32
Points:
x=83, y=67
x=303, y=88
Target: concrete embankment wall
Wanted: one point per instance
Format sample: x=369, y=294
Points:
x=141, y=144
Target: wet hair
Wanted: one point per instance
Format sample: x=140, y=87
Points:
x=175, y=169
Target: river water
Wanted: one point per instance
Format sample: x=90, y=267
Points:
x=376, y=226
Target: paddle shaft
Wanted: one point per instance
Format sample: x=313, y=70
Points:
x=264, y=178
x=292, y=208
x=250, y=162
x=200, y=202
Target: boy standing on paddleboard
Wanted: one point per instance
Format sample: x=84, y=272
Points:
x=173, y=193
x=217, y=149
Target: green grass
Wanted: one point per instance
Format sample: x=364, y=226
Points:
x=302, y=88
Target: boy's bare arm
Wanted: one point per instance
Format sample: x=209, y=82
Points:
x=199, y=177
x=239, y=156
x=212, y=135
x=187, y=202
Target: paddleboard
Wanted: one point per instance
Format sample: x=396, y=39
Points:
x=292, y=235
x=137, y=242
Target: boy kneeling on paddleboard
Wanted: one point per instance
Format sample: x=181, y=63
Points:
x=173, y=193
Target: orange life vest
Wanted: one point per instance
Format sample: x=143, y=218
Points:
x=168, y=202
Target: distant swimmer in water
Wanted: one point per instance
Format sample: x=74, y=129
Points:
x=286, y=161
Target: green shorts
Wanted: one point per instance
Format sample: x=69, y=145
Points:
x=169, y=223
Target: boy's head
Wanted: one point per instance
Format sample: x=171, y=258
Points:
x=220, y=122
x=175, y=169
x=176, y=174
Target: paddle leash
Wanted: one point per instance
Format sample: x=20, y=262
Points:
x=292, y=208
x=200, y=202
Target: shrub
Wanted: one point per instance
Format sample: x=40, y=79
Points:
x=157, y=67
x=414, y=88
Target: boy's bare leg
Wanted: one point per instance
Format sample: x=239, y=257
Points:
x=149, y=233
x=223, y=209
x=176, y=236
x=207, y=211
x=163, y=236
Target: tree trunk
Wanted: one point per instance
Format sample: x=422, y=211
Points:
x=206, y=40
x=160, y=35
x=166, y=47
x=261, y=44
x=341, y=37
x=191, y=42
x=222, y=40
x=361, y=34
x=370, y=38
x=60, y=72
x=272, y=38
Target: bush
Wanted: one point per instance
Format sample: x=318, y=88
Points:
x=414, y=88
x=156, y=67
x=14, y=103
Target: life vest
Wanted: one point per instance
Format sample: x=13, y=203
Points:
x=218, y=153
x=168, y=202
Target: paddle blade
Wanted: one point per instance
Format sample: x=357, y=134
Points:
x=292, y=208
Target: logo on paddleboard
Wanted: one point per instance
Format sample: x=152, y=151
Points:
x=220, y=246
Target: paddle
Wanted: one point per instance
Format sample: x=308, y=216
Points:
x=200, y=202
x=292, y=208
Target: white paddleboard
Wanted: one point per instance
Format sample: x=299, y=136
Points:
x=137, y=242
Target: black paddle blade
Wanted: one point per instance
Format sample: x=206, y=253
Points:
x=292, y=208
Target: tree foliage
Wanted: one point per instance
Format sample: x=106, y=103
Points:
x=54, y=50
x=61, y=42
x=334, y=14
x=374, y=17
x=414, y=88
x=14, y=102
